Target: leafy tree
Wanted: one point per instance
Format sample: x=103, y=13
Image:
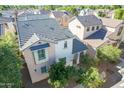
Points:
x=58, y=75
x=101, y=14
x=109, y=53
x=91, y=78
x=10, y=63
x=119, y=13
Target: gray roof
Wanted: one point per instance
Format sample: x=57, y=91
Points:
x=5, y=20
x=111, y=22
x=58, y=14
x=78, y=46
x=44, y=28
x=33, y=12
x=89, y=20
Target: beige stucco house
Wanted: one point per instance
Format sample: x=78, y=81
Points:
x=43, y=43
x=96, y=32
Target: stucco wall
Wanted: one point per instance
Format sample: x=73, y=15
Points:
x=32, y=66
x=79, y=32
x=60, y=52
x=55, y=51
x=90, y=32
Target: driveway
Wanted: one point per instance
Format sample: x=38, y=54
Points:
x=111, y=74
x=27, y=80
x=121, y=71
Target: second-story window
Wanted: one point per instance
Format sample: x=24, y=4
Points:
x=88, y=28
x=41, y=54
x=93, y=28
x=65, y=44
x=97, y=27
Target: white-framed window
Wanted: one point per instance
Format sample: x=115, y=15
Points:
x=88, y=28
x=93, y=28
x=41, y=54
x=44, y=69
x=65, y=44
x=97, y=27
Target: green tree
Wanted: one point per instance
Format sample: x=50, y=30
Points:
x=109, y=53
x=91, y=78
x=58, y=75
x=119, y=13
x=10, y=63
x=101, y=14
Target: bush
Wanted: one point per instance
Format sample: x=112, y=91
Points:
x=91, y=78
x=109, y=53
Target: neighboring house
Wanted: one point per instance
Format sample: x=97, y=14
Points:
x=108, y=13
x=85, y=12
x=116, y=27
x=96, y=32
x=43, y=43
x=6, y=25
x=84, y=26
x=62, y=17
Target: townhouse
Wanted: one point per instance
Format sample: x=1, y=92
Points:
x=43, y=42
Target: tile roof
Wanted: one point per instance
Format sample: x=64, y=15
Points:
x=58, y=14
x=100, y=34
x=47, y=29
x=78, y=46
x=89, y=20
x=5, y=19
x=111, y=22
x=98, y=38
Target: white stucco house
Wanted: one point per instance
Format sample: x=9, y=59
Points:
x=43, y=42
x=96, y=32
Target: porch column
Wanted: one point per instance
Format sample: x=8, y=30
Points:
x=78, y=58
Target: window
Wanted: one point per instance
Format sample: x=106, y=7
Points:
x=120, y=31
x=88, y=28
x=93, y=28
x=97, y=27
x=41, y=54
x=78, y=26
x=43, y=69
x=65, y=44
x=62, y=59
